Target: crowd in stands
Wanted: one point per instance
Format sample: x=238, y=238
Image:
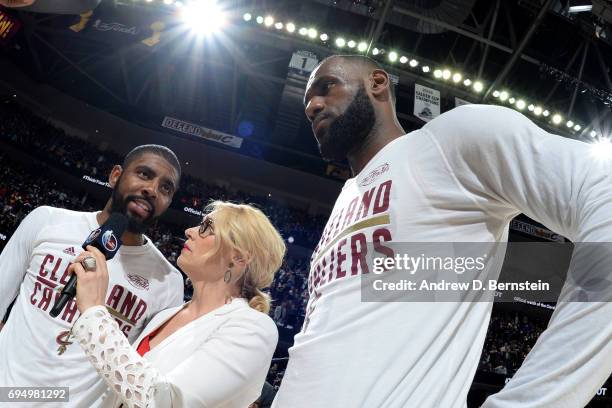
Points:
x=509, y=339
x=22, y=189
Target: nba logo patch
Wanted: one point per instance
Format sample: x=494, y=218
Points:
x=109, y=241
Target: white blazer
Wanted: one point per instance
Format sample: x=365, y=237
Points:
x=219, y=360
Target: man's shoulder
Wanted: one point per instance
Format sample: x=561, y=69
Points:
x=56, y=212
x=470, y=120
x=47, y=215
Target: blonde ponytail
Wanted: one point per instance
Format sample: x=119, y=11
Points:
x=260, y=302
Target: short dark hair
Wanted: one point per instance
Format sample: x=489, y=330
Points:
x=158, y=150
x=367, y=63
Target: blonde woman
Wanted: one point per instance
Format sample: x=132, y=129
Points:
x=215, y=350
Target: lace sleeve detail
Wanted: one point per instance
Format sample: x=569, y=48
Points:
x=128, y=374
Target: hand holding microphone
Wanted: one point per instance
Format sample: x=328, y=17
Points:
x=92, y=282
x=106, y=242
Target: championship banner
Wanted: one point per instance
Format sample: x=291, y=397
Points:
x=426, y=103
x=532, y=230
x=108, y=24
x=303, y=62
x=8, y=26
x=459, y=102
x=200, y=131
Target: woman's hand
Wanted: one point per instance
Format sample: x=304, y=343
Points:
x=91, y=285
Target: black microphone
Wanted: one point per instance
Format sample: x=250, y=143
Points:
x=107, y=240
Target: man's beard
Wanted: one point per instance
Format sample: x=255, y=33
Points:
x=119, y=204
x=348, y=131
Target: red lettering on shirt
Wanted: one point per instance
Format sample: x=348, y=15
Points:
x=381, y=203
x=115, y=296
x=359, y=250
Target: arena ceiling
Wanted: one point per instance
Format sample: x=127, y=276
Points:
x=138, y=60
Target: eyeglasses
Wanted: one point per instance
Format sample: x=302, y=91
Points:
x=205, y=225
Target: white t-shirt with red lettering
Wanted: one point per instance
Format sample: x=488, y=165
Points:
x=33, y=268
x=461, y=178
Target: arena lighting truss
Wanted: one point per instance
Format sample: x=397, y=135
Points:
x=442, y=74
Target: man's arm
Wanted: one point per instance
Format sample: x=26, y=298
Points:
x=15, y=257
x=509, y=165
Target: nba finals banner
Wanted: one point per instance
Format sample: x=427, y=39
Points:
x=8, y=27
x=426, y=102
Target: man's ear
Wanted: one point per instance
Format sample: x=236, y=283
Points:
x=114, y=175
x=379, y=82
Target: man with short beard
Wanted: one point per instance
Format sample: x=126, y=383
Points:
x=36, y=350
x=461, y=178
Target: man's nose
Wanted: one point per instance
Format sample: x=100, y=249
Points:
x=314, y=107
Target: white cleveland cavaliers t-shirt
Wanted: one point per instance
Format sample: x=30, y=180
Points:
x=461, y=178
x=33, y=267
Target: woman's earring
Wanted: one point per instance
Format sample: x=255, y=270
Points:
x=228, y=274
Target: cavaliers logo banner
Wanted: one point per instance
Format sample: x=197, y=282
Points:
x=8, y=27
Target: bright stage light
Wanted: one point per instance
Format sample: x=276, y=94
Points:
x=446, y=74
x=520, y=104
x=569, y=124
x=413, y=63
x=303, y=31
x=602, y=149
x=557, y=119
x=168, y=2
x=340, y=42
x=593, y=133
x=247, y=16
x=312, y=33
x=203, y=17
x=546, y=113
x=496, y=94
x=577, y=128
x=478, y=86
x=278, y=26
x=438, y=73
x=362, y=46
x=351, y=44
x=467, y=82
x=324, y=37
x=268, y=21
x=512, y=100
x=393, y=56
x=290, y=27
x=456, y=77
x=537, y=111
x=425, y=68
x=531, y=107
x=259, y=20
x=503, y=95
x=403, y=59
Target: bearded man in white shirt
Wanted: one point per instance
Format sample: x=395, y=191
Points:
x=36, y=349
x=461, y=178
